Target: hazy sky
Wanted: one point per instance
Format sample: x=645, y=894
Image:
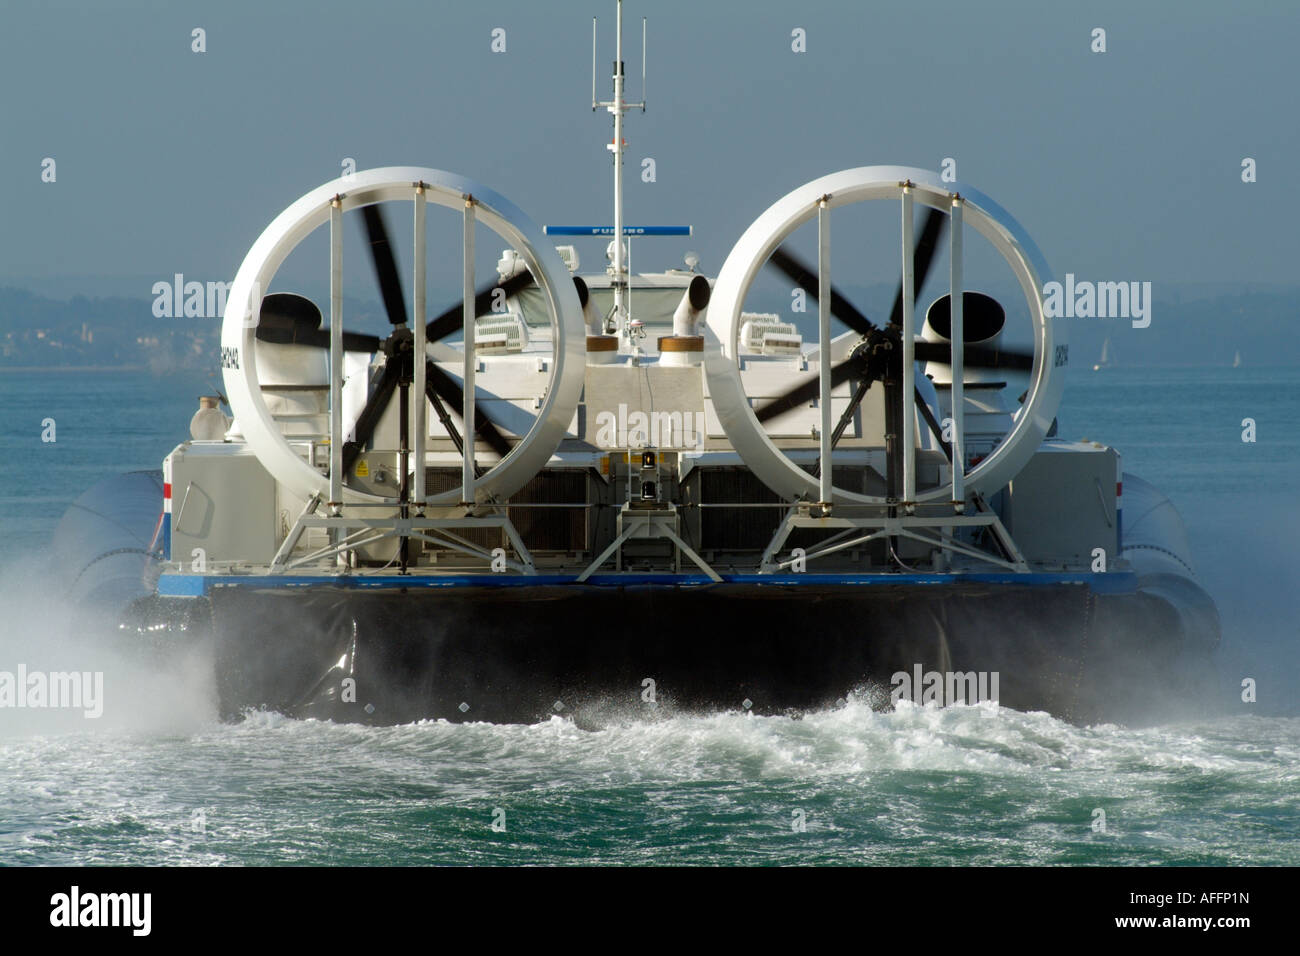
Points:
x=1123, y=164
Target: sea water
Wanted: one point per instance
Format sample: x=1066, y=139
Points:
x=156, y=779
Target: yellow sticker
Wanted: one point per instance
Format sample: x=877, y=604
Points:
x=363, y=469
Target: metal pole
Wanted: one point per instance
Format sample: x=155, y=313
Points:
x=336, y=354
x=617, y=109
x=824, y=344
x=471, y=361
x=418, y=357
x=957, y=335
x=908, y=438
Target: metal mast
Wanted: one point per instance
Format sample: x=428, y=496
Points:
x=618, y=106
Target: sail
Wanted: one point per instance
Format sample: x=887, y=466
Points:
x=1105, y=360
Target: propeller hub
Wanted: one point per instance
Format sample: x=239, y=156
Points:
x=875, y=357
x=400, y=342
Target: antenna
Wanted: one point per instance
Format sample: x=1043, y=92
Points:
x=618, y=270
x=596, y=104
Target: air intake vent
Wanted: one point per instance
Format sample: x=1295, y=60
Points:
x=763, y=333
x=500, y=332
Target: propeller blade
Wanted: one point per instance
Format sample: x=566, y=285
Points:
x=803, y=393
x=922, y=259
x=451, y=320
x=928, y=415
x=286, y=318
x=385, y=262
x=976, y=356
x=320, y=338
x=451, y=392
x=846, y=419
x=798, y=272
x=370, y=415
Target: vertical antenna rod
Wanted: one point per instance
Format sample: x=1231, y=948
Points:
x=620, y=267
x=617, y=107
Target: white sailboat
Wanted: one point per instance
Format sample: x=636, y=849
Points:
x=1105, y=361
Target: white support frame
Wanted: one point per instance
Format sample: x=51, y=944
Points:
x=824, y=346
x=471, y=358
x=657, y=523
x=957, y=336
x=367, y=531
x=336, y=355
x=928, y=530
x=735, y=412
x=420, y=356
x=264, y=435
x=908, y=439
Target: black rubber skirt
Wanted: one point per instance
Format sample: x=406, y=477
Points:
x=523, y=654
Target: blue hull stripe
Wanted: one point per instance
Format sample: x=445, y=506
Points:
x=178, y=584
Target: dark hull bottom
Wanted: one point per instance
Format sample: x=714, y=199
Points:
x=523, y=654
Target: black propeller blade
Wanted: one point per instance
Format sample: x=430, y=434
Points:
x=437, y=383
x=385, y=262
x=286, y=318
x=804, y=393
x=976, y=356
x=983, y=307
x=799, y=273
x=864, y=385
x=982, y=318
x=844, y=310
x=933, y=425
x=454, y=318
x=398, y=370
x=370, y=415
x=320, y=338
x=453, y=394
x=922, y=259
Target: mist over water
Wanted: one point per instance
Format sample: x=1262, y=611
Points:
x=45, y=633
x=158, y=780
x=1181, y=429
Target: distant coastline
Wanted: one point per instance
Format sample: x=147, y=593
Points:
x=78, y=368
x=44, y=335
